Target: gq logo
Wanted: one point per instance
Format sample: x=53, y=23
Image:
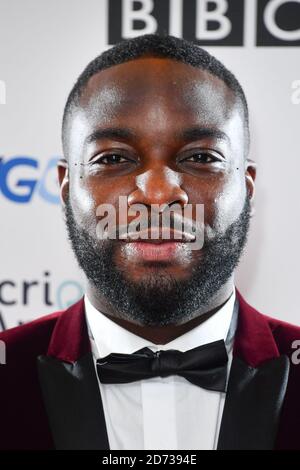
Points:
x=21, y=179
x=207, y=22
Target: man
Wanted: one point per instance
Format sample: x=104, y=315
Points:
x=162, y=352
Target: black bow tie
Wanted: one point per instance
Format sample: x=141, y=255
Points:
x=205, y=366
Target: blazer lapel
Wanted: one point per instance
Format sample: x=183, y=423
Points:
x=252, y=406
x=256, y=387
x=70, y=388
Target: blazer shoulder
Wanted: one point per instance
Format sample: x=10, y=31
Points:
x=286, y=335
x=31, y=338
x=23, y=416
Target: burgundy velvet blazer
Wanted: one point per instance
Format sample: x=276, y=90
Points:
x=50, y=398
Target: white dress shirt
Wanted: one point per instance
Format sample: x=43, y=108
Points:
x=160, y=413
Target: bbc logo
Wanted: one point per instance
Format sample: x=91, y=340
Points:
x=206, y=22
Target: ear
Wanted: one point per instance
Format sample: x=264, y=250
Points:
x=63, y=179
x=250, y=175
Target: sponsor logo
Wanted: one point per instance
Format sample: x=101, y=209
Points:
x=23, y=294
x=22, y=178
x=207, y=22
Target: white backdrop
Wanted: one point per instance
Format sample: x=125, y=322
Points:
x=44, y=45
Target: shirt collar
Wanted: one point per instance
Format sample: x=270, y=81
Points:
x=107, y=336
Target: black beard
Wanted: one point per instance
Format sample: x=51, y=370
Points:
x=161, y=299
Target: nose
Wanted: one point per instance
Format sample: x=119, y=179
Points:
x=158, y=186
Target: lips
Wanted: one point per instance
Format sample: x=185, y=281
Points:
x=154, y=251
x=157, y=245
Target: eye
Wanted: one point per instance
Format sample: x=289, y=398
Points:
x=202, y=157
x=111, y=159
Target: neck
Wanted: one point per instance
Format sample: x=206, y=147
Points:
x=161, y=334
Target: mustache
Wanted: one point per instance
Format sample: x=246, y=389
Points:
x=172, y=225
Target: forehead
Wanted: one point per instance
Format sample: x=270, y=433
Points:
x=162, y=90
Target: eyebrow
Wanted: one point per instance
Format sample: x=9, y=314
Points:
x=200, y=133
x=112, y=133
x=188, y=135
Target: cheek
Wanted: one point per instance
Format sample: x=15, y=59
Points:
x=82, y=198
x=223, y=197
x=87, y=193
x=229, y=202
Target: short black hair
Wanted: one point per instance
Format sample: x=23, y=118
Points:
x=155, y=45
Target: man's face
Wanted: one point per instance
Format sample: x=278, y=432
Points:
x=176, y=135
